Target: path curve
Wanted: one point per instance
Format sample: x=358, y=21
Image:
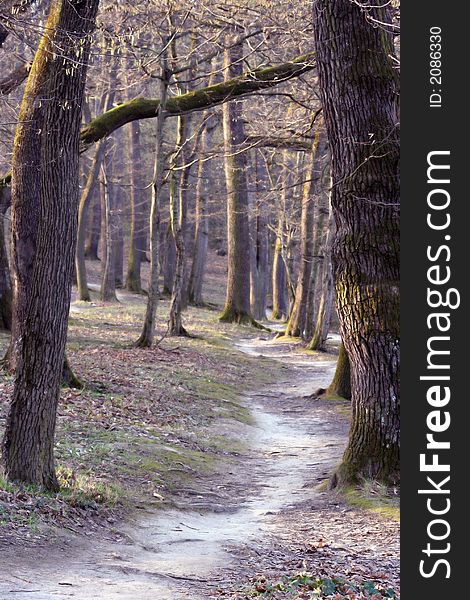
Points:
x=173, y=554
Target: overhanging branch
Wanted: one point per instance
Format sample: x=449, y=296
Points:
x=202, y=99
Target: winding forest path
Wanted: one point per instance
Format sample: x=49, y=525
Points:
x=266, y=514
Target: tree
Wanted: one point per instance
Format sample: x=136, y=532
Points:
x=298, y=316
x=341, y=384
x=237, y=303
x=145, y=339
x=45, y=170
x=325, y=306
x=178, y=210
x=359, y=89
x=5, y=281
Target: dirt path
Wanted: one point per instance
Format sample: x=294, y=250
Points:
x=264, y=515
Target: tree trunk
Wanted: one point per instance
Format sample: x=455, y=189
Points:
x=320, y=236
x=297, y=319
x=137, y=246
x=201, y=235
x=318, y=341
x=108, y=190
x=359, y=90
x=259, y=248
x=5, y=281
x=237, y=303
x=45, y=177
x=94, y=225
x=85, y=199
x=280, y=298
x=178, y=209
x=119, y=241
x=341, y=384
x=148, y=331
x=169, y=260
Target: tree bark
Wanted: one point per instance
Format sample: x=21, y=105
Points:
x=359, y=90
x=259, y=247
x=45, y=179
x=341, y=384
x=85, y=199
x=298, y=316
x=320, y=237
x=148, y=331
x=94, y=225
x=201, y=235
x=108, y=207
x=318, y=341
x=137, y=246
x=178, y=210
x=5, y=281
x=280, y=297
x=237, y=303
x=87, y=196
x=169, y=260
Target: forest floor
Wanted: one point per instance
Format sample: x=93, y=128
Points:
x=196, y=469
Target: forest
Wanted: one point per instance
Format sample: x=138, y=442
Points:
x=199, y=299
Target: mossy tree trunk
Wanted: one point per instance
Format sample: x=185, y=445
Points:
x=207, y=97
x=341, y=384
x=359, y=91
x=45, y=178
x=237, y=303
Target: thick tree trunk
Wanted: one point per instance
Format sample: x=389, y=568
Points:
x=45, y=179
x=359, y=89
x=237, y=303
x=148, y=331
x=341, y=384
